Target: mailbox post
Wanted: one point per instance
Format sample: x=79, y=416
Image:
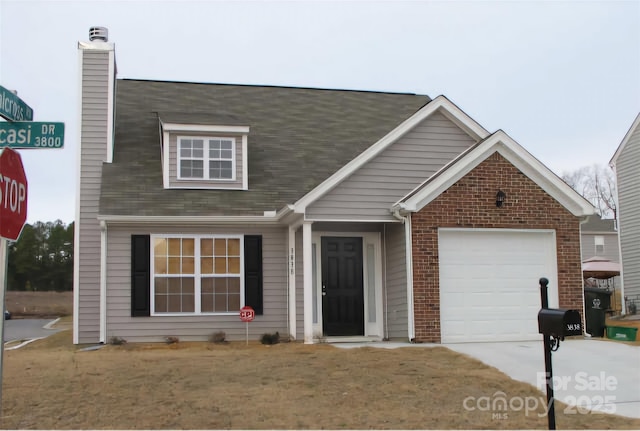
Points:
x=554, y=324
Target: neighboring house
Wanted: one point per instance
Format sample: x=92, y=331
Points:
x=336, y=215
x=600, y=238
x=625, y=165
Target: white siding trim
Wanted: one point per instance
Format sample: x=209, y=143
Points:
x=232, y=220
x=103, y=282
x=291, y=274
x=409, y=258
x=307, y=266
x=440, y=103
x=245, y=163
x=176, y=127
x=110, y=105
x=634, y=126
x=391, y=219
x=498, y=142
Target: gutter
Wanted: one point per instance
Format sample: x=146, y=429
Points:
x=103, y=282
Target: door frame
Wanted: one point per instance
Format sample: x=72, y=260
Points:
x=371, y=329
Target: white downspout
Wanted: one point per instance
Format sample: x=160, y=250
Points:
x=103, y=282
x=406, y=220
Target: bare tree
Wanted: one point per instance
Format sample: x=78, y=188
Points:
x=598, y=185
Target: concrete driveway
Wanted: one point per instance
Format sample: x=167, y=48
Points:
x=27, y=329
x=588, y=373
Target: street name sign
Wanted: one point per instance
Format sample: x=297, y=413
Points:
x=12, y=108
x=31, y=134
x=13, y=195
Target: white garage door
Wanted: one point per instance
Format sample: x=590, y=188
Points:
x=489, y=287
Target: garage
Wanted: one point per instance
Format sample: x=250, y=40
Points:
x=489, y=283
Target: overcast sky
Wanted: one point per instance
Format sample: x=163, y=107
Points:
x=561, y=78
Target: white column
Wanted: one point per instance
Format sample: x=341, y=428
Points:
x=307, y=255
x=409, y=260
x=103, y=282
x=292, y=282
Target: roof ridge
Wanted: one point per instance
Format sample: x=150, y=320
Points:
x=166, y=81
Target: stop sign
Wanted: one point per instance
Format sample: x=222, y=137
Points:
x=13, y=194
x=247, y=314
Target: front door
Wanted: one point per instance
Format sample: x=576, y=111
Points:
x=342, y=289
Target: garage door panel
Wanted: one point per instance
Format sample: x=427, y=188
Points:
x=488, y=283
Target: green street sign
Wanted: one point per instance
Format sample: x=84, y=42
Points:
x=28, y=134
x=13, y=108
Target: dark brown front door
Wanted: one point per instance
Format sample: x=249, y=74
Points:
x=342, y=290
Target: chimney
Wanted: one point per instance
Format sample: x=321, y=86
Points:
x=96, y=106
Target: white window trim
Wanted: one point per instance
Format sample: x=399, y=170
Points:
x=206, y=159
x=197, y=274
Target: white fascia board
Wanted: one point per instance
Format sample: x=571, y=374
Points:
x=503, y=144
x=231, y=220
x=204, y=128
x=97, y=45
x=440, y=103
x=626, y=138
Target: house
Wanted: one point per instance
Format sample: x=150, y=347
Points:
x=600, y=238
x=336, y=215
x=625, y=165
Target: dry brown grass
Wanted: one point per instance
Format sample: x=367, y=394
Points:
x=50, y=384
x=39, y=304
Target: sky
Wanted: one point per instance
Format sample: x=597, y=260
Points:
x=562, y=78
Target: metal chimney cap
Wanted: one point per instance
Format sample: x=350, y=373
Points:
x=99, y=33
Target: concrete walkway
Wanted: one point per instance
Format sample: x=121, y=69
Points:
x=592, y=374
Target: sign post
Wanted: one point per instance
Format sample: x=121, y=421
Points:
x=247, y=315
x=13, y=214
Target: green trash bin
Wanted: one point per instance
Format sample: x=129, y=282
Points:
x=596, y=303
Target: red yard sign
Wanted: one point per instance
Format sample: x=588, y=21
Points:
x=247, y=314
x=13, y=194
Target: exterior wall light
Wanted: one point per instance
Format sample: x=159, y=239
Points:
x=500, y=197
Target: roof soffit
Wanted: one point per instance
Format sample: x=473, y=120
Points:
x=627, y=137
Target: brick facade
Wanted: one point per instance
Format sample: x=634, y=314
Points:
x=471, y=203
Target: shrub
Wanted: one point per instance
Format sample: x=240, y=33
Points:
x=117, y=341
x=270, y=338
x=171, y=340
x=218, y=337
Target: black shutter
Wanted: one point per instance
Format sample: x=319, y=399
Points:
x=140, y=275
x=253, y=272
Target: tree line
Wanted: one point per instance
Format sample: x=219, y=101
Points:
x=42, y=258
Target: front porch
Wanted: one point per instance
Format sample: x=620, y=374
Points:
x=348, y=282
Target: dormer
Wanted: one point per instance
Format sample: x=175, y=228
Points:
x=203, y=151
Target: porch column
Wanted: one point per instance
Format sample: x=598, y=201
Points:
x=292, y=282
x=307, y=265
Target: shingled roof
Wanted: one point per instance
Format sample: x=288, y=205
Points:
x=298, y=138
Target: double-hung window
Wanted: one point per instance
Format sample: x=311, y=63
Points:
x=197, y=274
x=211, y=158
x=598, y=241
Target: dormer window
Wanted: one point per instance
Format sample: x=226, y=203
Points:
x=202, y=158
x=197, y=153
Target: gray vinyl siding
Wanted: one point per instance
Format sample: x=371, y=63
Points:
x=194, y=328
x=611, y=248
x=217, y=184
x=93, y=152
x=369, y=193
x=628, y=175
x=396, y=282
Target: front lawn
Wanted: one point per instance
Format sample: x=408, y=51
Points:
x=51, y=385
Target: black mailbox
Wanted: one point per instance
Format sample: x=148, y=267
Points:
x=559, y=323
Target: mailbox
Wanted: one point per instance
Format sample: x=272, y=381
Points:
x=559, y=323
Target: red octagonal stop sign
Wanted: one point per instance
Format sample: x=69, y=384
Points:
x=13, y=194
